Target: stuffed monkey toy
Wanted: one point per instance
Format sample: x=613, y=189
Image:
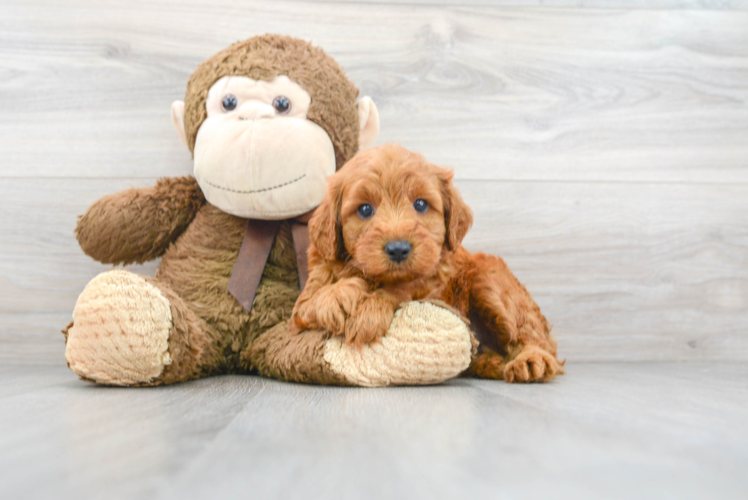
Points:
x=266, y=120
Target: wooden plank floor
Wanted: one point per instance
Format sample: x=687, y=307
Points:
x=613, y=431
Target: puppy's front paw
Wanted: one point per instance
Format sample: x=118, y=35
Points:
x=304, y=317
x=533, y=364
x=333, y=305
x=370, y=321
x=332, y=317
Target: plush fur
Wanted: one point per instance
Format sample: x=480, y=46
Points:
x=264, y=57
x=199, y=243
x=194, y=272
x=209, y=332
x=138, y=225
x=354, y=288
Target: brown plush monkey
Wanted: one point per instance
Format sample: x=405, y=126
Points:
x=267, y=120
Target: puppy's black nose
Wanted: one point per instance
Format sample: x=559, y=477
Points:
x=398, y=250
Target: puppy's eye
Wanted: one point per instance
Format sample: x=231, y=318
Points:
x=421, y=205
x=282, y=105
x=365, y=211
x=229, y=102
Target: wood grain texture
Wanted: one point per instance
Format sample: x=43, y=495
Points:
x=614, y=431
x=586, y=4
x=551, y=94
x=604, y=151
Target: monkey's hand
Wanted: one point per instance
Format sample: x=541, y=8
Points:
x=138, y=225
x=370, y=321
x=330, y=306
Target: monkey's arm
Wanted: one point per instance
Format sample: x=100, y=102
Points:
x=138, y=225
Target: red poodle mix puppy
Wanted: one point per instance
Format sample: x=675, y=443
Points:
x=389, y=231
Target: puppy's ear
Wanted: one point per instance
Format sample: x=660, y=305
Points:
x=325, y=226
x=457, y=215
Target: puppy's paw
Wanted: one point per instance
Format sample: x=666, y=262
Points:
x=332, y=319
x=533, y=364
x=369, y=322
x=331, y=307
x=304, y=317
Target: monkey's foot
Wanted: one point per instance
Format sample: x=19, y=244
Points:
x=425, y=344
x=120, y=330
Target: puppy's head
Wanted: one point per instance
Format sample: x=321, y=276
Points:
x=391, y=214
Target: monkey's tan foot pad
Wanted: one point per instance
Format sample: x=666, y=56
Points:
x=120, y=330
x=425, y=344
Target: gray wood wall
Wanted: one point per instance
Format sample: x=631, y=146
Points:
x=602, y=145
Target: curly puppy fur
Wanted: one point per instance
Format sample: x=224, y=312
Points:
x=355, y=287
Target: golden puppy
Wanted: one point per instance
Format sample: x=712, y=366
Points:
x=389, y=231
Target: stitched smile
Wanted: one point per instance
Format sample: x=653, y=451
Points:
x=257, y=190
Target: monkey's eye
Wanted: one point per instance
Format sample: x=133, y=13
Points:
x=421, y=205
x=365, y=211
x=281, y=104
x=229, y=102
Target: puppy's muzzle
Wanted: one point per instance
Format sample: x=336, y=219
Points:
x=397, y=250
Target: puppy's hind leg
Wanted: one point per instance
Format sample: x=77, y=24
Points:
x=530, y=364
x=514, y=322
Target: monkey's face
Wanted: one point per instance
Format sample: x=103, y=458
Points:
x=256, y=154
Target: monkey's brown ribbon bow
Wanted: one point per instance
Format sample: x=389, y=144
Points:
x=259, y=236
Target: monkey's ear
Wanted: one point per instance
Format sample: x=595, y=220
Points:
x=457, y=215
x=177, y=119
x=368, y=122
x=325, y=226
